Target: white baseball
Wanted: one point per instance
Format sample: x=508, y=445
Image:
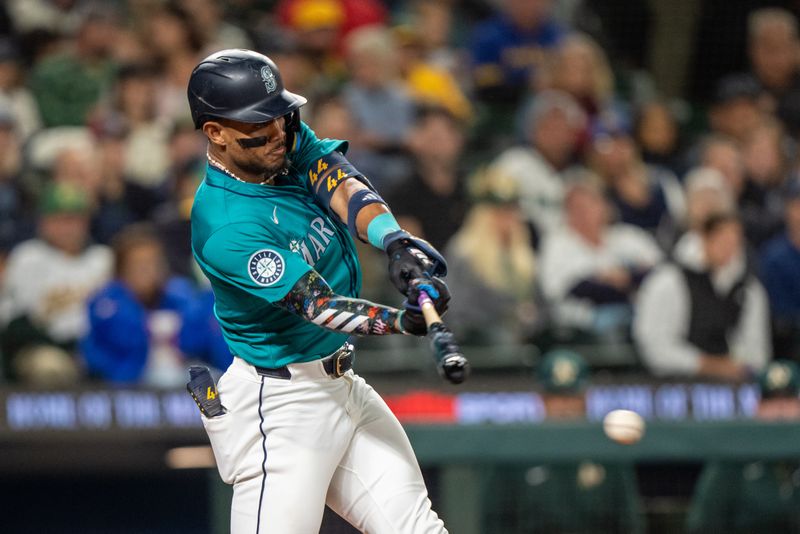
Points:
x=623, y=426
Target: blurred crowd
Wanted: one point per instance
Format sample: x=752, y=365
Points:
x=581, y=196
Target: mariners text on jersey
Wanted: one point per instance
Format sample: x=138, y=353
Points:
x=254, y=242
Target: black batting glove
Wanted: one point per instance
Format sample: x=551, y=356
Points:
x=412, y=321
x=435, y=288
x=411, y=257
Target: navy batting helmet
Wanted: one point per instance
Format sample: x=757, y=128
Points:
x=240, y=85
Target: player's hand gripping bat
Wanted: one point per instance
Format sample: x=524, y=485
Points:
x=452, y=365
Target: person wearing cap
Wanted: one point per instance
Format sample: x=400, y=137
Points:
x=580, y=496
x=735, y=110
x=49, y=278
x=428, y=84
x=591, y=267
x=755, y=496
x=493, y=271
x=273, y=229
x=552, y=125
x=705, y=315
x=779, y=268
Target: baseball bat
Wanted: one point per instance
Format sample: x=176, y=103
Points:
x=452, y=365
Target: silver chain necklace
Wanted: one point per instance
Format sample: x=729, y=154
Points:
x=220, y=166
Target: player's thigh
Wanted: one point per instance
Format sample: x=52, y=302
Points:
x=304, y=431
x=288, y=501
x=378, y=486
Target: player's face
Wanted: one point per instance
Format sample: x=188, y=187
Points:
x=257, y=148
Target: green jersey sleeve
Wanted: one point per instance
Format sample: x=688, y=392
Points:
x=308, y=151
x=243, y=255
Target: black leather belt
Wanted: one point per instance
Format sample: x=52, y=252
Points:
x=336, y=365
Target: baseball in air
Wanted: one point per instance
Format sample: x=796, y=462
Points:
x=623, y=426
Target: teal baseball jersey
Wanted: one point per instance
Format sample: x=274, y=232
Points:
x=254, y=242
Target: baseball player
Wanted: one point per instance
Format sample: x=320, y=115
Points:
x=272, y=229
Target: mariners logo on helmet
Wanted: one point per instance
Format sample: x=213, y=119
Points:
x=266, y=267
x=269, y=78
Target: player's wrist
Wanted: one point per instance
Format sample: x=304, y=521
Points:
x=384, y=230
x=412, y=323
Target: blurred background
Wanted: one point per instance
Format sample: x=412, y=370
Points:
x=615, y=184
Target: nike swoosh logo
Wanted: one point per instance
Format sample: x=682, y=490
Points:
x=275, y=215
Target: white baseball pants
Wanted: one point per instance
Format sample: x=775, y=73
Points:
x=291, y=446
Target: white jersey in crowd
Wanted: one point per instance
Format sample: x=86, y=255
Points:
x=567, y=259
x=663, y=313
x=541, y=187
x=52, y=287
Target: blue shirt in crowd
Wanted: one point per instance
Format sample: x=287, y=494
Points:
x=780, y=265
x=117, y=346
x=505, y=55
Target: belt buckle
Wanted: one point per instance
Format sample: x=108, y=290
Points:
x=337, y=367
x=338, y=358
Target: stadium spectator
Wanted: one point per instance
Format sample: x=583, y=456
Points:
x=14, y=96
x=722, y=153
x=646, y=196
x=323, y=25
x=434, y=23
x=508, y=49
x=175, y=46
x=311, y=42
x=134, y=107
x=765, y=155
x=552, y=125
x=76, y=165
x=579, y=67
x=67, y=85
x=135, y=320
x=773, y=48
x=48, y=279
x=591, y=268
x=706, y=318
x=172, y=221
x=433, y=202
x=757, y=495
x=62, y=17
x=757, y=197
x=657, y=133
x=780, y=265
x=735, y=111
x=531, y=498
x=707, y=193
x=119, y=201
x=426, y=83
x=215, y=31
x=382, y=110
x=492, y=267
x=16, y=222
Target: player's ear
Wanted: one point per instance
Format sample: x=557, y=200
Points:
x=214, y=132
